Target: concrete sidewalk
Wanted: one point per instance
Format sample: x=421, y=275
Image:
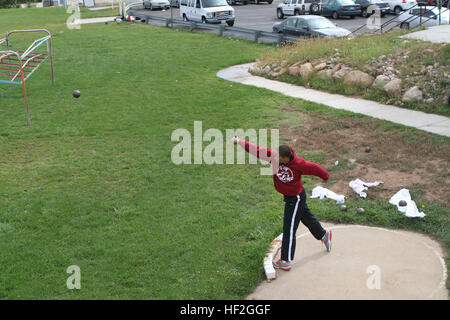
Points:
x=424, y=121
x=437, y=34
x=364, y=263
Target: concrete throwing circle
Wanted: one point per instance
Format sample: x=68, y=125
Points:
x=364, y=263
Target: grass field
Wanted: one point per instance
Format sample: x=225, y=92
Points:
x=92, y=184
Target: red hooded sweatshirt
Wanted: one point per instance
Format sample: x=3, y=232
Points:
x=288, y=178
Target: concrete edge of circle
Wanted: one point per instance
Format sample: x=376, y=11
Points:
x=273, y=250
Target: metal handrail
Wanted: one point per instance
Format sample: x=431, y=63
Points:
x=385, y=23
x=413, y=18
x=220, y=28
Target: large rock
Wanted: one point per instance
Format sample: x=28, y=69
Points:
x=341, y=73
x=358, y=78
x=294, y=70
x=325, y=74
x=320, y=66
x=266, y=70
x=381, y=81
x=412, y=94
x=394, y=87
x=254, y=68
x=306, y=70
x=278, y=73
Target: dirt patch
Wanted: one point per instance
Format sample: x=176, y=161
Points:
x=399, y=158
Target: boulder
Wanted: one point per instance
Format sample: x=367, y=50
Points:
x=266, y=70
x=393, y=87
x=341, y=73
x=412, y=94
x=325, y=74
x=294, y=70
x=306, y=70
x=358, y=78
x=336, y=68
x=254, y=68
x=278, y=73
x=320, y=66
x=380, y=81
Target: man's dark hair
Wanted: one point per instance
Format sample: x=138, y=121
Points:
x=285, y=151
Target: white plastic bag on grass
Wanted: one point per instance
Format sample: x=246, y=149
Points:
x=321, y=192
x=360, y=186
x=410, y=210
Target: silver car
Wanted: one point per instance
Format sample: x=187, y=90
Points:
x=156, y=4
x=422, y=16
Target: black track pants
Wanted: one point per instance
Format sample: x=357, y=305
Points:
x=296, y=210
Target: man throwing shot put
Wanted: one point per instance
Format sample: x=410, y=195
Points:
x=287, y=179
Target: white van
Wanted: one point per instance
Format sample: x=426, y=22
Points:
x=211, y=11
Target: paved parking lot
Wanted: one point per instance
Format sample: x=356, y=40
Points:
x=263, y=16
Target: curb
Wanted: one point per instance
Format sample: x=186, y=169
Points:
x=268, y=266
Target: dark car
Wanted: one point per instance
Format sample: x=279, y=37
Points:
x=444, y=3
x=369, y=7
x=340, y=8
x=233, y=2
x=260, y=1
x=310, y=25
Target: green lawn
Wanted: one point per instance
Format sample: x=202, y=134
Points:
x=92, y=184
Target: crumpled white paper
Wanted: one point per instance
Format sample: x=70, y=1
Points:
x=321, y=192
x=360, y=186
x=410, y=210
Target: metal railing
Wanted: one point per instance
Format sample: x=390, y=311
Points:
x=421, y=18
x=383, y=27
x=220, y=28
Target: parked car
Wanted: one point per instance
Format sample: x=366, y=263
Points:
x=211, y=11
x=445, y=3
x=156, y=4
x=175, y=3
x=260, y=1
x=233, y=2
x=339, y=8
x=294, y=8
x=310, y=25
x=422, y=16
x=369, y=7
x=397, y=6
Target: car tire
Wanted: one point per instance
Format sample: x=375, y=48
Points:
x=296, y=13
x=352, y=17
x=335, y=15
x=404, y=26
x=315, y=8
x=280, y=14
x=203, y=20
x=151, y=7
x=364, y=13
x=230, y=23
x=398, y=10
x=270, y=2
x=185, y=18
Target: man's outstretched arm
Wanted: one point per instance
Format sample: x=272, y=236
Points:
x=259, y=152
x=311, y=168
